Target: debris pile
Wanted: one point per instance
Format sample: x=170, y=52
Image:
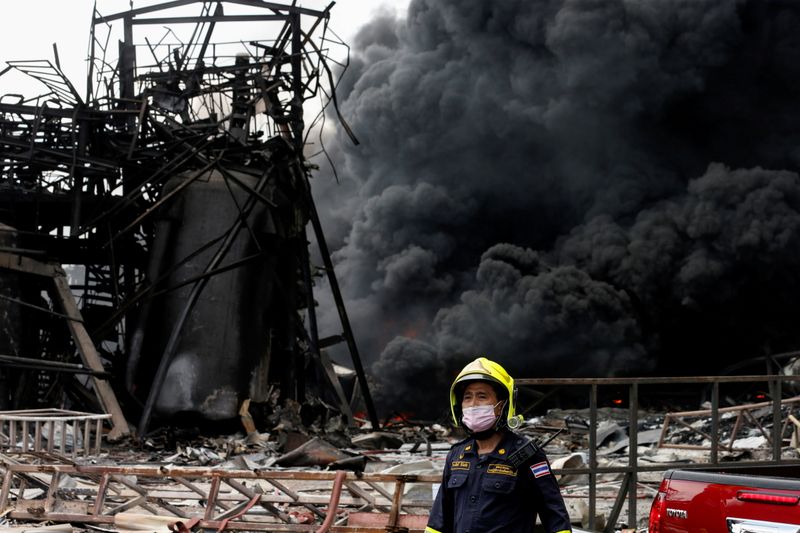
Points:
x=287, y=469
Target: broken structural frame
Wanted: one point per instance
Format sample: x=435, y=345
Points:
x=742, y=412
x=76, y=154
x=85, y=346
x=252, y=500
x=631, y=471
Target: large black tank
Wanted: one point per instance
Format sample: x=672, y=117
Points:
x=224, y=350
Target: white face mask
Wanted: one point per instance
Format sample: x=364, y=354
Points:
x=480, y=417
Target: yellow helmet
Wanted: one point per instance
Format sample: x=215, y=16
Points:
x=483, y=369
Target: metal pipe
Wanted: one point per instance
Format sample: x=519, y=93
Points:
x=334, y=503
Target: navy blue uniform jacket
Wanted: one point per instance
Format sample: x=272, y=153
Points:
x=484, y=494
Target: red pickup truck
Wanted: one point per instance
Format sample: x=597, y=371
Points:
x=752, y=500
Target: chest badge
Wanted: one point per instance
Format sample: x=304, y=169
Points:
x=503, y=469
x=459, y=465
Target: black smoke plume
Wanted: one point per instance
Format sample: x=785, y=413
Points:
x=571, y=187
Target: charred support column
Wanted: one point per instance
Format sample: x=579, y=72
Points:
x=633, y=454
x=240, y=106
x=127, y=59
x=777, y=418
x=337, y=296
x=78, y=177
x=297, y=127
x=297, y=84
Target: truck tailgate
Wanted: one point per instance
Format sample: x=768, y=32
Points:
x=702, y=501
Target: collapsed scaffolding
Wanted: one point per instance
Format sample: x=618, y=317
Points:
x=177, y=190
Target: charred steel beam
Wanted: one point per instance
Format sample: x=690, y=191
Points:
x=335, y=101
x=218, y=12
x=179, y=3
x=165, y=198
x=348, y=331
x=32, y=306
x=166, y=169
x=210, y=69
x=90, y=358
x=777, y=427
x=22, y=109
x=200, y=19
x=331, y=340
x=296, y=105
x=78, y=173
x=221, y=270
x=191, y=472
x=64, y=158
x=51, y=366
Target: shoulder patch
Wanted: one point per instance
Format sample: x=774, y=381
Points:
x=540, y=469
x=500, y=468
x=459, y=465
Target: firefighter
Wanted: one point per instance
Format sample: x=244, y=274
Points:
x=481, y=492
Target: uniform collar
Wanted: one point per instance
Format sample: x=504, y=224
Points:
x=500, y=452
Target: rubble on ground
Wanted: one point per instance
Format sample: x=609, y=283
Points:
x=315, y=438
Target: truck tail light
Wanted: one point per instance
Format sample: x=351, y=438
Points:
x=657, y=509
x=764, y=497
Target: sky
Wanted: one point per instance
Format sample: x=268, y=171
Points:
x=29, y=28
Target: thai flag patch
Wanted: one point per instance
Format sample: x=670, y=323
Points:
x=540, y=469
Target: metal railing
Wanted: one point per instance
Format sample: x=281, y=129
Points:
x=628, y=489
x=50, y=430
x=212, y=498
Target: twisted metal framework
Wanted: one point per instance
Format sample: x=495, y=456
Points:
x=86, y=180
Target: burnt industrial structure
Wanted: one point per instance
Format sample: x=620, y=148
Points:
x=176, y=195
